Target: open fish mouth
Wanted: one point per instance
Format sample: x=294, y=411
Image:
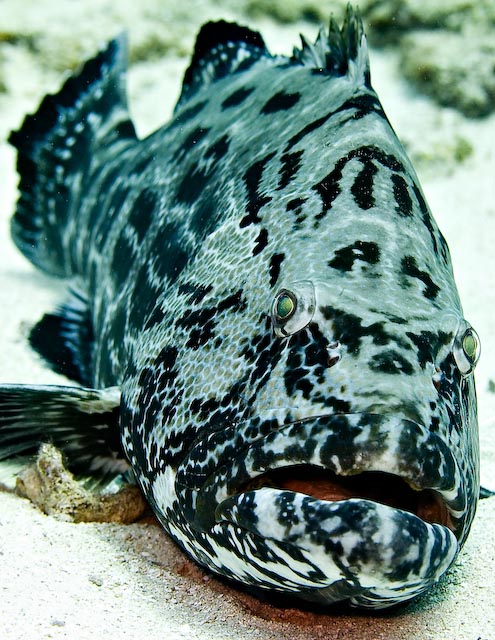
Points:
x=377, y=486
x=375, y=457
x=366, y=506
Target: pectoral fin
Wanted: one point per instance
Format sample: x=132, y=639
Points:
x=83, y=423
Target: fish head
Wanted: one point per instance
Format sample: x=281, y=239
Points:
x=329, y=402
x=358, y=453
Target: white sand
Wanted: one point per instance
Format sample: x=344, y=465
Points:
x=62, y=580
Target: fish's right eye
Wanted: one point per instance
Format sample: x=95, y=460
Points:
x=293, y=308
x=467, y=349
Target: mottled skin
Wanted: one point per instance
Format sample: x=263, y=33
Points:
x=279, y=187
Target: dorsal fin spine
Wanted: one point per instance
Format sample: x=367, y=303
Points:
x=338, y=52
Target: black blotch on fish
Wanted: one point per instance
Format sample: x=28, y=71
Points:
x=295, y=205
x=123, y=251
x=428, y=344
x=291, y=163
x=410, y=269
x=167, y=252
x=218, y=149
x=255, y=200
x=345, y=257
x=391, y=362
x=401, y=195
x=362, y=188
x=143, y=211
x=275, y=265
x=237, y=97
x=193, y=185
x=194, y=137
x=261, y=242
x=281, y=101
x=349, y=329
x=188, y=113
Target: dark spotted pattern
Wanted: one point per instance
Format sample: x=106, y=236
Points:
x=261, y=242
x=275, y=264
x=390, y=361
x=429, y=345
x=143, y=212
x=401, y=195
x=291, y=163
x=237, y=97
x=330, y=187
x=255, y=198
x=350, y=331
x=362, y=189
x=345, y=258
x=307, y=361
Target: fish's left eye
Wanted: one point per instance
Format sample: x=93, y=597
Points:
x=466, y=349
x=292, y=308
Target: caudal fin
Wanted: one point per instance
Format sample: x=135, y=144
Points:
x=58, y=149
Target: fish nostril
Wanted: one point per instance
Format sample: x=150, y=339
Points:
x=437, y=379
x=332, y=360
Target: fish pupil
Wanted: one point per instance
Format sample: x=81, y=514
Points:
x=285, y=307
x=470, y=345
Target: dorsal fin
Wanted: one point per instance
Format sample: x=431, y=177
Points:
x=339, y=52
x=221, y=48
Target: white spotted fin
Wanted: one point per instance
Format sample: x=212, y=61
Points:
x=57, y=147
x=221, y=48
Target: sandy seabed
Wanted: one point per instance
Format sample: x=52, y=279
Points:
x=64, y=580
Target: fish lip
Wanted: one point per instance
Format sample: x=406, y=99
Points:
x=232, y=474
x=383, y=555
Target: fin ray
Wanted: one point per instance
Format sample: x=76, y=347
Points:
x=56, y=151
x=82, y=423
x=221, y=48
x=65, y=338
x=339, y=52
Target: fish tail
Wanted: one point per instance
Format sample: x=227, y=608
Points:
x=58, y=148
x=82, y=423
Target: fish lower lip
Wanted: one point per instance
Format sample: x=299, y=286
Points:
x=382, y=553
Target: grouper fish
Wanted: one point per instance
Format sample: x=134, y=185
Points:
x=263, y=324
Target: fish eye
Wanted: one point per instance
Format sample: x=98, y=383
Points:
x=285, y=306
x=467, y=349
x=293, y=308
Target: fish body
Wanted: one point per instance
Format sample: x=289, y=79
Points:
x=263, y=281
